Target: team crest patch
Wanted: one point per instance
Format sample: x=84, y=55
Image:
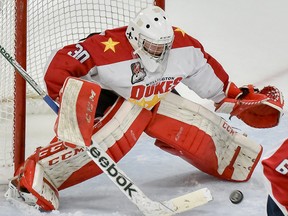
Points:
x=138, y=73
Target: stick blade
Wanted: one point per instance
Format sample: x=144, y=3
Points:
x=189, y=201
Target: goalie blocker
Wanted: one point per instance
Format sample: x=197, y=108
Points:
x=180, y=127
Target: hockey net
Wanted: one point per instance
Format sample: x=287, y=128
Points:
x=50, y=25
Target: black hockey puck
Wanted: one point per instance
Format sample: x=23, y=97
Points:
x=236, y=196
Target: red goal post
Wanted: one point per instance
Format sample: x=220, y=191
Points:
x=30, y=30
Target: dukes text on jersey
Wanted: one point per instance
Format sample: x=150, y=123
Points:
x=149, y=95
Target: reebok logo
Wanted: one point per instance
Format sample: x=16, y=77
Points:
x=5, y=54
x=112, y=171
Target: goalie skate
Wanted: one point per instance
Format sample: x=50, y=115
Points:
x=16, y=195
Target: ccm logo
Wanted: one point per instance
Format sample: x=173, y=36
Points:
x=228, y=128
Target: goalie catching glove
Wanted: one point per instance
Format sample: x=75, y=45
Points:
x=258, y=109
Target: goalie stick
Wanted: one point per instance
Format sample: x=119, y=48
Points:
x=29, y=79
x=132, y=192
x=118, y=177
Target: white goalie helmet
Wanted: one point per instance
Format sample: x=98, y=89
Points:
x=151, y=37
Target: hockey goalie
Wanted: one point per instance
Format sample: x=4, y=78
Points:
x=116, y=85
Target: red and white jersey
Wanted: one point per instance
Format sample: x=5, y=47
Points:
x=275, y=169
x=108, y=60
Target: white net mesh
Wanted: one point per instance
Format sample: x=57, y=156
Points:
x=51, y=25
x=7, y=28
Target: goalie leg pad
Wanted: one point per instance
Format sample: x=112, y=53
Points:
x=117, y=132
x=59, y=165
x=203, y=139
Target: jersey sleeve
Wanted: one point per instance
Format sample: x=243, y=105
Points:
x=72, y=60
x=208, y=78
x=275, y=170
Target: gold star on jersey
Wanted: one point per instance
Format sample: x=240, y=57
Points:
x=148, y=104
x=180, y=30
x=110, y=45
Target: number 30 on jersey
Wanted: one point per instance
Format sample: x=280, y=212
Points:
x=80, y=54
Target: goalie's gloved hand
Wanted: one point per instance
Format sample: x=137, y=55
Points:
x=244, y=92
x=234, y=95
x=260, y=109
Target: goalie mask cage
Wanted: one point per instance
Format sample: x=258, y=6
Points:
x=30, y=30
